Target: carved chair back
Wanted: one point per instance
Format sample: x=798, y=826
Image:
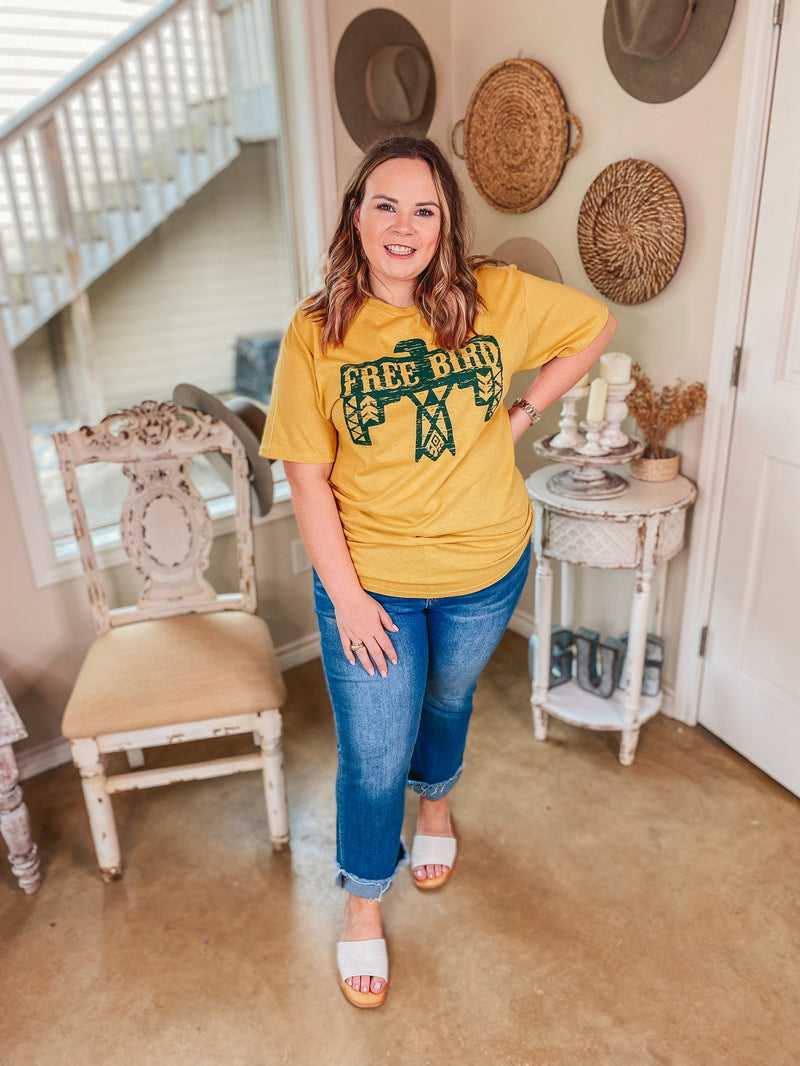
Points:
x=164, y=523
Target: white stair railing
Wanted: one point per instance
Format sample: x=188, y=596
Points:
x=93, y=166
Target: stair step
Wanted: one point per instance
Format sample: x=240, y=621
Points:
x=112, y=234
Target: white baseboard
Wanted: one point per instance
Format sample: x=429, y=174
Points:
x=43, y=757
x=56, y=752
x=522, y=623
x=668, y=703
x=299, y=651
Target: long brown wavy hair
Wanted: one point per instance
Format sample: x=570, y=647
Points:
x=446, y=292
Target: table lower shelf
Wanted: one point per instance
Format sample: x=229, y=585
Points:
x=572, y=704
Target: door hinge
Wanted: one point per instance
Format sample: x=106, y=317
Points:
x=701, y=651
x=777, y=13
x=736, y=366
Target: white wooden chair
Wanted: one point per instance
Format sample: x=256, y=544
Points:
x=184, y=663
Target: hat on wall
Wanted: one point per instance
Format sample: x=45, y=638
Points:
x=659, y=49
x=247, y=422
x=529, y=255
x=631, y=230
x=383, y=77
x=516, y=135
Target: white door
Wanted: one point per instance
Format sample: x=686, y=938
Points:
x=751, y=683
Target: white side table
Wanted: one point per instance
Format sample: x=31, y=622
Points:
x=635, y=531
x=15, y=825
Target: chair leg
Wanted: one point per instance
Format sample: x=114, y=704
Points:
x=15, y=824
x=269, y=726
x=136, y=758
x=86, y=756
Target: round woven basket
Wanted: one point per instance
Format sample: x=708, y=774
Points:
x=516, y=135
x=631, y=229
x=643, y=468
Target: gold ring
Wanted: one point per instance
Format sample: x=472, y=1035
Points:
x=356, y=645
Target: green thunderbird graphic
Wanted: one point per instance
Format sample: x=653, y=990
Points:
x=427, y=377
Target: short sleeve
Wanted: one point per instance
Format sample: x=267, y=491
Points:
x=297, y=428
x=561, y=320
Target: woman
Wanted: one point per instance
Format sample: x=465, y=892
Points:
x=386, y=410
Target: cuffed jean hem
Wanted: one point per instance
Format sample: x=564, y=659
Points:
x=357, y=886
x=435, y=792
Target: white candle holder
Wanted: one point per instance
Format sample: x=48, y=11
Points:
x=587, y=482
x=568, y=435
x=592, y=445
x=584, y=476
x=612, y=435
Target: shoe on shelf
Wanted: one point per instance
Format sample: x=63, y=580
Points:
x=358, y=957
x=433, y=851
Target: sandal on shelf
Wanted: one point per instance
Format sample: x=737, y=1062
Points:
x=358, y=957
x=433, y=851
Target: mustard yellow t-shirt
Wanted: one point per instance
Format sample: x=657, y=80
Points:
x=429, y=496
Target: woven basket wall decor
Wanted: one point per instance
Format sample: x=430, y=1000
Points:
x=631, y=230
x=516, y=135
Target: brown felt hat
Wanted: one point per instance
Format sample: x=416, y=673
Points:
x=529, y=255
x=383, y=77
x=247, y=422
x=631, y=230
x=659, y=49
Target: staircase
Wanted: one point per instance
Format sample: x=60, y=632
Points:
x=94, y=165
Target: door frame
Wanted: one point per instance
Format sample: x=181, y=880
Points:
x=762, y=38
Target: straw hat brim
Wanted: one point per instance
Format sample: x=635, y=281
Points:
x=365, y=35
x=656, y=81
x=516, y=135
x=529, y=255
x=247, y=422
x=631, y=231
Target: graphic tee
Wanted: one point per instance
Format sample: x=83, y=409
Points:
x=429, y=496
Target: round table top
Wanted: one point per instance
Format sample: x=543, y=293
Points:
x=640, y=498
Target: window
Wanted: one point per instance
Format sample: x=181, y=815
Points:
x=170, y=311
x=181, y=221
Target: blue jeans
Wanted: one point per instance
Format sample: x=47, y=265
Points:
x=410, y=728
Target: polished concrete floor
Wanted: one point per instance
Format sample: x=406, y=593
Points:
x=598, y=916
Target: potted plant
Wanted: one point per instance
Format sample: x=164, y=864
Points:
x=657, y=412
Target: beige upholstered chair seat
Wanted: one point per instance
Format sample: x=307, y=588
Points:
x=129, y=679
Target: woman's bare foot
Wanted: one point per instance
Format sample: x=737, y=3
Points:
x=362, y=921
x=433, y=821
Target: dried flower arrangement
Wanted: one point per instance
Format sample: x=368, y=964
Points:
x=658, y=412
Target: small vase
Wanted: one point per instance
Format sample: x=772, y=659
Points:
x=644, y=468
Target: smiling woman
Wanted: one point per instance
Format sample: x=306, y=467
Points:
x=398, y=222
x=387, y=411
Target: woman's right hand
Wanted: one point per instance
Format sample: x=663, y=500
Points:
x=360, y=618
x=363, y=621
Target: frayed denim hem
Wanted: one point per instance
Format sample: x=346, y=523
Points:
x=357, y=886
x=435, y=792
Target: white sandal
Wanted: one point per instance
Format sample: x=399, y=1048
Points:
x=358, y=957
x=433, y=851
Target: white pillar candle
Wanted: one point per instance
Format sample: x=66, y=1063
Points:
x=598, y=393
x=582, y=382
x=615, y=367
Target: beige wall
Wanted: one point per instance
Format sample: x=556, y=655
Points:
x=43, y=632
x=215, y=269
x=691, y=139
